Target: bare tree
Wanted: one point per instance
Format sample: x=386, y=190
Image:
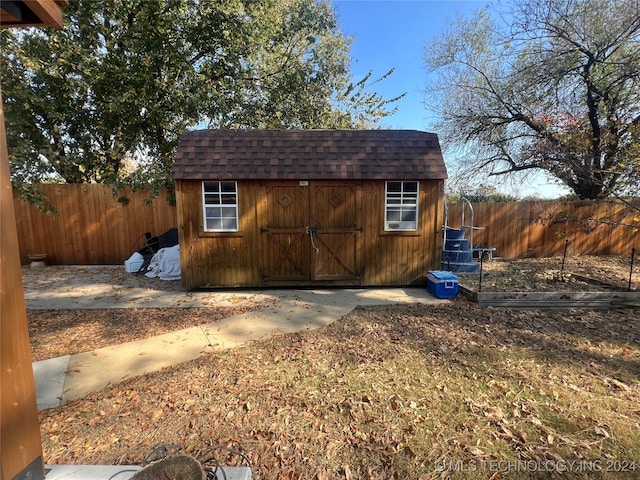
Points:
x=550, y=85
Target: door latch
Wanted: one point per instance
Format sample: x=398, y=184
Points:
x=310, y=232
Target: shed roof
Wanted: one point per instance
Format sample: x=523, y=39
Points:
x=309, y=155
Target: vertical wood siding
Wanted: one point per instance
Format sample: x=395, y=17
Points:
x=211, y=259
x=401, y=258
x=273, y=248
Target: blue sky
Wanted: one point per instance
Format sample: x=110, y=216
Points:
x=393, y=34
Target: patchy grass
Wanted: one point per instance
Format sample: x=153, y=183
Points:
x=417, y=392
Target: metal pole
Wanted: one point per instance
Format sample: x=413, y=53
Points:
x=564, y=256
x=481, y=262
x=464, y=201
x=633, y=255
x=444, y=237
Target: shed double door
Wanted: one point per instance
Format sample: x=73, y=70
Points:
x=310, y=232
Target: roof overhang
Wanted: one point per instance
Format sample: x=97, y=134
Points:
x=31, y=13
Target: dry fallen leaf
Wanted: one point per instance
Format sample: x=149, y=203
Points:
x=373, y=392
x=478, y=452
x=347, y=473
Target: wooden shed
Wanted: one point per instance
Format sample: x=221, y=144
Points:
x=259, y=208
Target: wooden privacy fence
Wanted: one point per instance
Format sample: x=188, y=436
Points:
x=541, y=229
x=91, y=227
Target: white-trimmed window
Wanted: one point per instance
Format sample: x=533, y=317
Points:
x=220, y=202
x=401, y=206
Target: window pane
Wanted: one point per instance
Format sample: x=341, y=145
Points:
x=213, y=224
x=213, y=212
x=229, y=224
x=408, y=215
x=211, y=198
x=228, y=187
x=393, y=215
x=211, y=187
x=220, y=209
x=401, y=206
x=407, y=226
x=410, y=186
x=228, y=212
x=394, y=186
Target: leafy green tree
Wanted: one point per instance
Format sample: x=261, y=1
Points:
x=357, y=106
x=106, y=98
x=551, y=85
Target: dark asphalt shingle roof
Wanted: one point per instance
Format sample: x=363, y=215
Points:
x=309, y=155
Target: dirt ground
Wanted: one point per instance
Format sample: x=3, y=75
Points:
x=581, y=273
x=386, y=392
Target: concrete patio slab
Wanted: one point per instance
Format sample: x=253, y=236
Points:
x=50, y=377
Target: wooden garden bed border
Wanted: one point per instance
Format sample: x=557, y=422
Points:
x=614, y=298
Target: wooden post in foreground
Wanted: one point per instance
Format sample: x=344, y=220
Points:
x=20, y=444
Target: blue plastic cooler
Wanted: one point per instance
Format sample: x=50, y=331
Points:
x=442, y=284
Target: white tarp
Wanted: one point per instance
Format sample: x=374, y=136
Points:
x=165, y=264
